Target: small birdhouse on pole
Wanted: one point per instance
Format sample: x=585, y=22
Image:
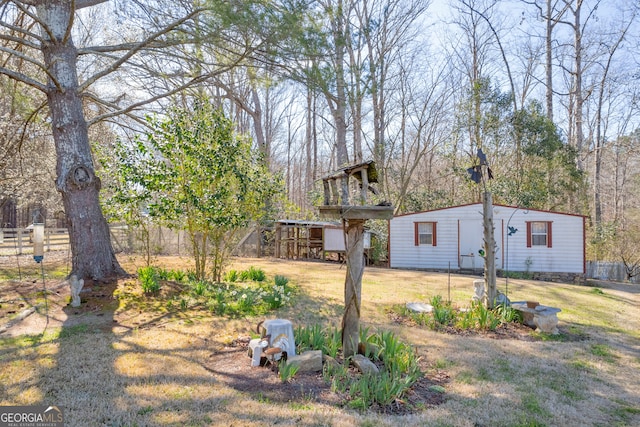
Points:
x=338, y=187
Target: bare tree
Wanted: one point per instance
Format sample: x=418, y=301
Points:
x=551, y=11
x=600, y=137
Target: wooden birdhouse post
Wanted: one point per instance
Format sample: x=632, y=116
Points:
x=338, y=187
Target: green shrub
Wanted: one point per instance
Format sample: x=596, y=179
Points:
x=231, y=276
x=199, y=288
x=508, y=314
x=477, y=317
x=309, y=338
x=443, y=313
x=178, y=275
x=333, y=342
x=243, y=276
x=256, y=274
x=278, y=294
x=162, y=274
x=232, y=299
x=149, y=281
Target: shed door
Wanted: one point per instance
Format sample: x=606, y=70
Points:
x=471, y=240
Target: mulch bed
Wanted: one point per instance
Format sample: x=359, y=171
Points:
x=232, y=366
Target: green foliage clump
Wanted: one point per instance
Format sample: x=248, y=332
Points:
x=257, y=295
x=245, y=293
x=149, y=279
x=278, y=294
x=477, y=317
x=398, y=362
x=231, y=276
x=253, y=274
x=287, y=371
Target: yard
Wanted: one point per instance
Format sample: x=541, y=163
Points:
x=138, y=361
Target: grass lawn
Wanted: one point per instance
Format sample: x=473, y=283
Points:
x=137, y=361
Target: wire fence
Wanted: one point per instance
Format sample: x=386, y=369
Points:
x=154, y=240
x=163, y=241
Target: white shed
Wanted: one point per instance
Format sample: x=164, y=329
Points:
x=527, y=240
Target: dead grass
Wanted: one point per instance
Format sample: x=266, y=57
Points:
x=119, y=365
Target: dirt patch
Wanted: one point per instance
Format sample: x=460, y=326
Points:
x=232, y=366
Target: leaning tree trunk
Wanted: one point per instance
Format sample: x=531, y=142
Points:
x=90, y=241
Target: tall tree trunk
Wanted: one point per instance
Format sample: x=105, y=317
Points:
x=339, y=109
x=90, y=240
x=549, y=62
x=578, y=84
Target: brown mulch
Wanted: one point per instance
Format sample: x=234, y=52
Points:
x=232, y=366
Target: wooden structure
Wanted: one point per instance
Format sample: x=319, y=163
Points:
x=338, y=187
x=300, y=239
x=296, y=239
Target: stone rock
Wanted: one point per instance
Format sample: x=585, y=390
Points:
x=330, y=361
x=368, y=349
x=76, y=286
x=542, y=317
x=502, y=299
x=419, y=307
x=309, y=361
x=364, y=365
x=547, y=322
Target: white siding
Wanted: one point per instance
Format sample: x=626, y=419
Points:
x=334, y=239
x=565, y=256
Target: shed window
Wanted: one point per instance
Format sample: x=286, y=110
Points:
x=425, y=233
x=539, y=233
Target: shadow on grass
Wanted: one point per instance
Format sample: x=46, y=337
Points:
x=159, y=368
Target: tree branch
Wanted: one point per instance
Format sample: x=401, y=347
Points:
x=134, y=106
x=23, y=79
x=20, y=5
x=137, y=47
x=81, y=4
x=21, y=31
x=18, y=40
x=24, y=57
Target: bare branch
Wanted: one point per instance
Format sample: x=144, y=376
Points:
x=21, y=5
x=126, y=47
x=134, y=106
x=23, y=79
x=138, y=47
x=20, y=30
x=24, y=57
x=81, y=4
x=18, y=40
